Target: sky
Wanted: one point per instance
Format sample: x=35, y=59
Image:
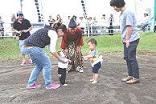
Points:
x=68, y=7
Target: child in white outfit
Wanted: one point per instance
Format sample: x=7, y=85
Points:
x=62, y=67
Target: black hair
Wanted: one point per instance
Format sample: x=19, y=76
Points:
x=117, y=3
x=93, y=41
x=146, y=14
x=74, y=17
x=104, y=15
x=55, y=26
x=19, y=15
x=63, y=27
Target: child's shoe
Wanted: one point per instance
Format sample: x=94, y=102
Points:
x=65, y=85
x=29, y=61
x=23, y=63
x=79, y=69
x=94, y=82
x=34, y=86
x=52, y=86
x=91, y=80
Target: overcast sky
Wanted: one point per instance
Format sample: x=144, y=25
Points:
x=67, y=7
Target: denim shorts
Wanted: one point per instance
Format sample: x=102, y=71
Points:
x=96, y=67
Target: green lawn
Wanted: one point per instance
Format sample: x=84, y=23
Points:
x=9, y=47
x=108, y=43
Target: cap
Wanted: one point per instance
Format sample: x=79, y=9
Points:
x=19, y=13
x=72, y=24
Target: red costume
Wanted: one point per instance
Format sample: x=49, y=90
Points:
x=72, y=35
x=72, y=41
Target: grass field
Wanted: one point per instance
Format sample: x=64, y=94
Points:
x=9, y=47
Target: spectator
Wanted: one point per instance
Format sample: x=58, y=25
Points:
x=51, y=20
x=58, y=20
x=103, y=20
x=22, y=27
x=145, y=23
x=103, y=24
x=154, y=28
x=1, y=27
x=111, y=20
x=81, y=23
x=90, y=24
x=94, y=26
x=13, y=19
x=68, y=20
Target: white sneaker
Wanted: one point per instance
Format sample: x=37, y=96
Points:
x=91, y=80
x=65, y=85
x=81, y=70
x=127, y=79
x=94, y=82
x=78, y=68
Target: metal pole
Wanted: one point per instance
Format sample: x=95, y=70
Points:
x=135, y=6
x=83, y=2
x=21, y=5
x=88, y=28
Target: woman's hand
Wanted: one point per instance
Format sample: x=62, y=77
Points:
x=127, y=43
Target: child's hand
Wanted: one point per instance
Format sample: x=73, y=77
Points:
x=62, y=60
x=85, y=58
x=69, y=61
x=24, y=31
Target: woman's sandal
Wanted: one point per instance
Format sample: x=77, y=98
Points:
x=133, y=81
x=127, y=79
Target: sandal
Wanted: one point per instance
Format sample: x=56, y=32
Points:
x=133, y=81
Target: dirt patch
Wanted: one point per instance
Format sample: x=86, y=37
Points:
x=109, y=90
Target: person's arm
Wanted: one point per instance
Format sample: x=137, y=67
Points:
x=53, y=40
x=129, y=28
x=128, y=35
x=27, y=30
x=87, y=57
x=55, y=54
x=15, y=28
x=90, y=55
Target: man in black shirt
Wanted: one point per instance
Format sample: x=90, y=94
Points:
x=22, y=27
